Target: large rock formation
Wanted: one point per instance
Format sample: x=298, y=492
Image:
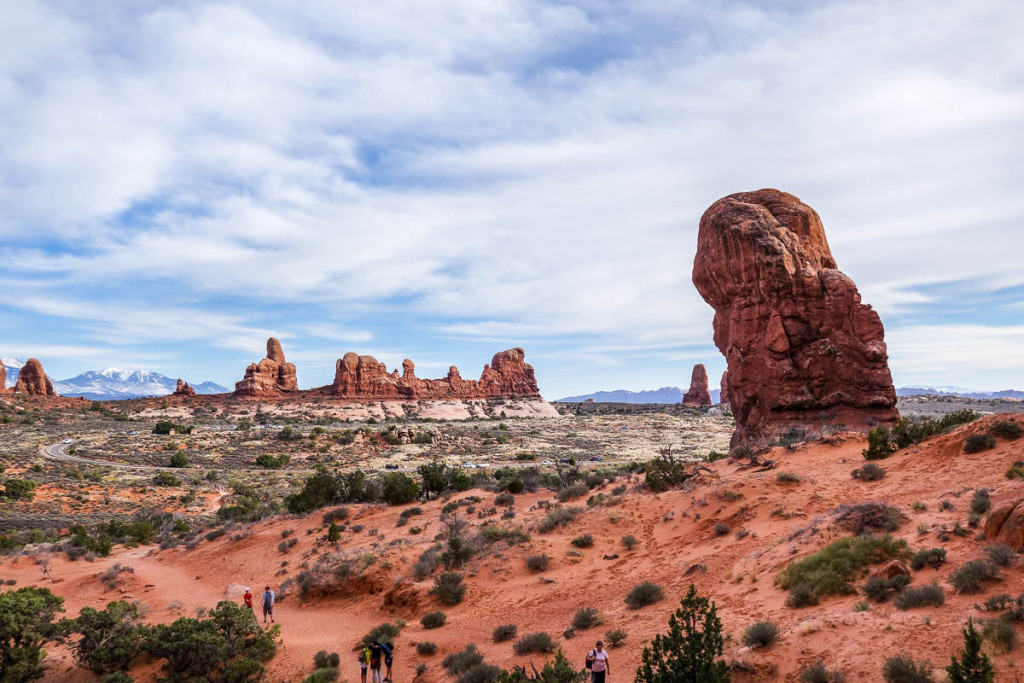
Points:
x=3, y=378
x=272, y=376
x=723, y=389
x=32, y=380
x=1005, y=524
x=363, y=377
x=802, y=349
x=698, y=395
x=183, y=389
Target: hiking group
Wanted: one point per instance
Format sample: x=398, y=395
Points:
x=372, y=657
x=267, y=600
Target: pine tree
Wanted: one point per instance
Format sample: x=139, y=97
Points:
x=333, y=533
x=689, y=652
x=973, y=666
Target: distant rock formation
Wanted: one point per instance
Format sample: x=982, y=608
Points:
x=363, y=377
x=183, y=389
x=802, y=349
x=723, y=391
x=3, y=378
x=33, y=381
x=272, y=376
x=1005, y=524
x=698, y=396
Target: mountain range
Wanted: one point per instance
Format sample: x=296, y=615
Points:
x=114, y=384
x=675, y=394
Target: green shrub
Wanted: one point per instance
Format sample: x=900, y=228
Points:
x=920, y=596
x=861, y=518
x=538, y=563
x=801, y=595
x=932, y=557
x=975, y=443
x=999, y=554
x=968, y=578
x=271, y=462
x=504, y=632
x=819, y=673
x=457, y=662
x=434, y=619
x=449, y=588
x=1016, y=470
x=481, y=673
x=25, y=626
x=1000, y=633
x=879, y=444
x=426, y=648
x=571, y=492
x=117, y=677
x=584, y=541
x=586, y=617
x=869, y=472
x=382, y=633
x=19, y=489
x=399, y=489
x=615, y=637
x=877, y=588
x=980, y=502
x=630, y=542
x=644, y=594
x=110, y=638
x=166, y=479
x=760, y=634
x=691, y=649
x=557, y=517
x=973, y=666
x=903, y=669
x=833, y=569
x=534, y=642
x=504, y=499
x=179, y=459
x=492, y=533
x=325, y=660
x=1006, y=429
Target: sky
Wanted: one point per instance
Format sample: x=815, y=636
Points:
x=440, y=181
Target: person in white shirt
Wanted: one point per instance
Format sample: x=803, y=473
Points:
x=599, y=665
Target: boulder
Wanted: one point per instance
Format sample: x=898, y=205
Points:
x=33, y=381
x=1005, y=524
x=892, y=569
x=272, y=376
x=362, y=377
x=183, y=389
x=698, y=395
x=802, y=350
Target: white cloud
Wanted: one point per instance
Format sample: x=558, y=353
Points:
x=512, y=170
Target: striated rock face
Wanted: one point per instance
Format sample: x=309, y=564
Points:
x=183, y=389
x=698, y=395
x=272, y=376
x=723, y=390
x=802, y=349
x=363, y=377
x=1005, y=524
x=32, y=380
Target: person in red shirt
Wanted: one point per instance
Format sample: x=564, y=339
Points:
x=248, y=598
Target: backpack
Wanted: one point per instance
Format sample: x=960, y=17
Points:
x=364, y=656
x=591, y=656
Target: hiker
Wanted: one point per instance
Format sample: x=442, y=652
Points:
x=389, y=657
x=376, y=652
x=364, y=663
x=597, y=662
x=268, y=605
x=248, y=598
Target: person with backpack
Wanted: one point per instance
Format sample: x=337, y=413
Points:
x=389, y=657
x=597, y=662
x=364, y=663
x=376, y=654
x=268, y=605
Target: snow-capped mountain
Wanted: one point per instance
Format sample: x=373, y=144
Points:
x=13, y=366
x=117, y=384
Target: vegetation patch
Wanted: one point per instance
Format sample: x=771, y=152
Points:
x=833, y=569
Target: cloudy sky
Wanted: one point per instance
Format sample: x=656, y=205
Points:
x=441, y=180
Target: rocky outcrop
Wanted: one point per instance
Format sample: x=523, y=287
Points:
x=698, y=395
x=183, y=389
x=1005, y=524
x=723, y=390
x=272, y=376
x=363, y=377
x=3, y=378
x=802, y=349
x=33, y=381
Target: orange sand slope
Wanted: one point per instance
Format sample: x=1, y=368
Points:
x=677, y=545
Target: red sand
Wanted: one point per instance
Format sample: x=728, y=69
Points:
x=738, y=577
